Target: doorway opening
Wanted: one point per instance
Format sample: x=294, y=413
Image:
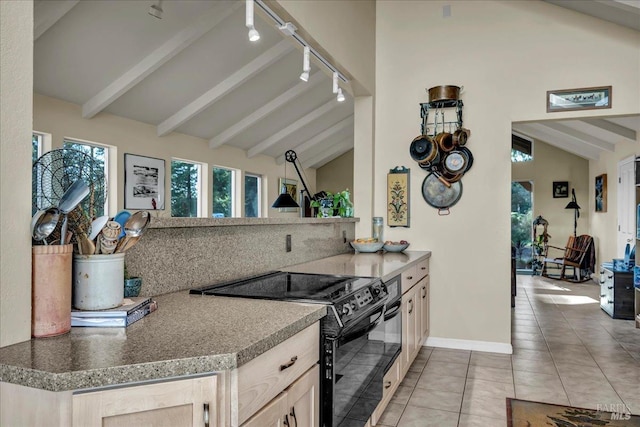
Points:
x=521, y=224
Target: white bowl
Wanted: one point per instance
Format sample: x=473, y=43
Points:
x=396, y=248
x=367, y=247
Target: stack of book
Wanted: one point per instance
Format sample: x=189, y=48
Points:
x=131, y=310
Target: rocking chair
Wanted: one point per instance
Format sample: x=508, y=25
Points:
x=577, y=255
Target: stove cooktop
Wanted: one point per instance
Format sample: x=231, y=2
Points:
x=284, y=286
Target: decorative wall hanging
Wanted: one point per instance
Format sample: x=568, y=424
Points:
x=143, y=182
x=601, y=193
x=398, y=197
x=560, y=189
x=588, y=98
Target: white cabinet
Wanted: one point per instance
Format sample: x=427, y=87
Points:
x=298, y=405
x=410, y=328
x=188, y=402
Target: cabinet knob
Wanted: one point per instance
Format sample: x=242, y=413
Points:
x=387, y=384
x=410, y=306
x=409, y=277
x=293, y=415
x=289, y=363
x=609, y=287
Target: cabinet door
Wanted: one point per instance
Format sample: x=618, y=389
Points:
x=409, y=324
x=273, y=414
x=303, y=397
x=189, y=402
x=423, y=295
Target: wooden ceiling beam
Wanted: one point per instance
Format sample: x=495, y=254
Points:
x=581, y=136
x=293, y=127
x=330, y=153
x=227, y=85
x=176, y=44
x=268, y=108
x=557, y=139
x=322, y=136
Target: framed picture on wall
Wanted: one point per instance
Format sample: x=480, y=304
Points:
x=588, y=98
x=601, y=193
x=144, y=179
x=560, y=189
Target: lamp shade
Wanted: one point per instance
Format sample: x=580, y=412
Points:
x=285, y=200
x=572, y=205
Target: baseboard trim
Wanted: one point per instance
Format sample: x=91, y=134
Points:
x=488, y=346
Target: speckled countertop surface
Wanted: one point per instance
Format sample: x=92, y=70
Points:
x=383, y=265
x=188, y=334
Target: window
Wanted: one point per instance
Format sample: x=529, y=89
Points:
x=185, y=189
x=521, y=149
x=252, y=186
x=223, y=192
x=96, y=204
x=36, y=146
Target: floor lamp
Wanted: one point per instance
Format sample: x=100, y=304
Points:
x=573, y=204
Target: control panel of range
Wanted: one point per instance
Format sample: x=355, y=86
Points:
x=358, y=301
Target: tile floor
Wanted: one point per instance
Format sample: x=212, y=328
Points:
x=566, y=350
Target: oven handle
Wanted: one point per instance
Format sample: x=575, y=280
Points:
x=349, y=335
x=393, y=310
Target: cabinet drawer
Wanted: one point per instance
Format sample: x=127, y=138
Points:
x=390, y=384
x=409, y=278
x=422, y=269
x=266, y=376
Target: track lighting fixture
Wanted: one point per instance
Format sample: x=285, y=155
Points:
x=337, y=89
x=155, y=10
x=254, y=35
x=306, y=65
x=288, y=29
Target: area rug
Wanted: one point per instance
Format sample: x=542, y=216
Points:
x=525, y=413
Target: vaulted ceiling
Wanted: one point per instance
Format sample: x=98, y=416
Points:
x=194, y=71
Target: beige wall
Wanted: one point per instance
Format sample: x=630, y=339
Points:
x=506, y=54
x=336, y=175
x=604, y=225
x=16, y=87
x=345, y=30
x=552, y=164
x=64, y=120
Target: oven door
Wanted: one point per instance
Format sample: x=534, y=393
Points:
x=354, y=366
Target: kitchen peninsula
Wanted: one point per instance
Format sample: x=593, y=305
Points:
x=190, y=337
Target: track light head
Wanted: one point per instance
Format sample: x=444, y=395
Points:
x=340, y=96
x=288, y=29
x=254, y=35
x=335, y=82
x=306, y=64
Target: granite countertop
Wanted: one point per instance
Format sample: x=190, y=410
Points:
x=188, y=334
x=383, y=265
x=172, y=222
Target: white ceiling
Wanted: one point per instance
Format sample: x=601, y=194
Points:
x=195, y=72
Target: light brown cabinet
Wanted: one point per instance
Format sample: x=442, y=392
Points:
x=188, y=402
x=297, y=406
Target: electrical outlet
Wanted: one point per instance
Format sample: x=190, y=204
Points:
x=288, y=244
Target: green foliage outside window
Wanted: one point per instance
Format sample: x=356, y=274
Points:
x=184, y=189
x=251, y=199
x=521, y=224
x=222, y=193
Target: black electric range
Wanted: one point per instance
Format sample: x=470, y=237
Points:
x=353, y=358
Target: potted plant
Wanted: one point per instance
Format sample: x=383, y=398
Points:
x=132, y=285
x=334, y=204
